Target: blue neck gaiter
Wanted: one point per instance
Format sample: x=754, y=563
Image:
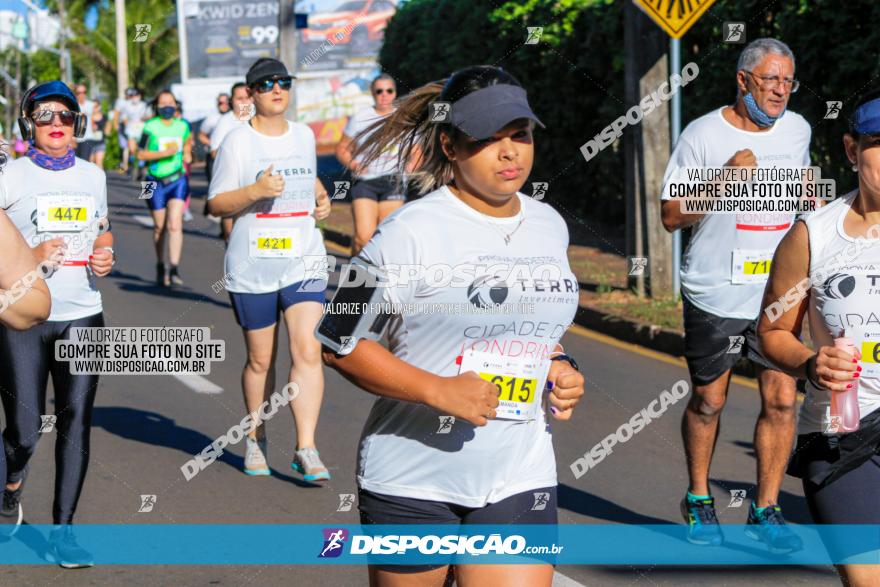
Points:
x=757, y=115
x=45, y=161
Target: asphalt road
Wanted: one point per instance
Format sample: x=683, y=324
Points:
x=146, y=427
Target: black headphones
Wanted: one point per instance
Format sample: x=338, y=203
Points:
x=29, y=129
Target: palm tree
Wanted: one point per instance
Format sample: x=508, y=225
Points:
x=152, y=64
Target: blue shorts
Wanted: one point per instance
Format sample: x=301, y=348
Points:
x=255, y=311
x=176, y=190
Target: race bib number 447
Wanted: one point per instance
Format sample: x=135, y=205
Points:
x=520, y=382
x=63, y=213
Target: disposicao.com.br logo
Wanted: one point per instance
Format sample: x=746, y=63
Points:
x=413, y=544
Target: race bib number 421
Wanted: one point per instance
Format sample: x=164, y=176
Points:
x=273, y=243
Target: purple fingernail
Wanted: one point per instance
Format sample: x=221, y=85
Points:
x=549, y=384
x=554, y=410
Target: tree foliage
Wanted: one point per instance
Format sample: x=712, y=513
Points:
x=575, y=75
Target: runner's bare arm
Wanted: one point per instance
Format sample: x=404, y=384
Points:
x=673, y=218
x=18, y=261
x=779, y=328
x=372, y=367
x=343, y=151
x=230, y=203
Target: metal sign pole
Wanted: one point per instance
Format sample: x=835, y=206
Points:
x=675, y=67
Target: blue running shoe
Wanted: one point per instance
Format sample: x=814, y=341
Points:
x=703, y=527
x=769, y=527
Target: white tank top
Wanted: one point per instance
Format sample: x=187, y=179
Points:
x=845, y=278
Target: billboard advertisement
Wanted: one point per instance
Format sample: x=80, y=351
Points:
x=224, y=37
x=342, y=34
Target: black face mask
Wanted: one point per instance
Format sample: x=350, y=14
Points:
x=167, y=112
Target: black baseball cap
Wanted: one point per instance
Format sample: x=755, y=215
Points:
x=482, y=113
x=266, y=68
x=42, y=92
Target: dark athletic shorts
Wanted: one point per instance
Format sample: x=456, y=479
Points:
x=850, y=499
x=707, y=342
x=259, y=310
x=377, y=508
x=378, y=189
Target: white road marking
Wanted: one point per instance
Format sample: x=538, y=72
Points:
x=560, y=580
x=197, y=383
x=144, y=220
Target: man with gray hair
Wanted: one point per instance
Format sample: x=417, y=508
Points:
x=725, y=267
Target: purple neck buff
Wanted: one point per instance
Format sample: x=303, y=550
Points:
x=45, y=161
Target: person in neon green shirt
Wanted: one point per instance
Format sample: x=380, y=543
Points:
x=166, y=143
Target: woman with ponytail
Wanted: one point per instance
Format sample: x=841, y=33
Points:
x=443, y=444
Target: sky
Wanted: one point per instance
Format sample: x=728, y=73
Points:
x=19, y=6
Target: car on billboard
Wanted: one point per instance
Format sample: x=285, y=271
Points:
x=356, y=25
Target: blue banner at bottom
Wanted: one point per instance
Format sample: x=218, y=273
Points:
x=418, y=544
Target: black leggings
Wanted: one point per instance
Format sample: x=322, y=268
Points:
x=26, y=360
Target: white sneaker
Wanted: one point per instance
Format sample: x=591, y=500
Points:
x=187, y=215
x=308, y=462
x=255, y=457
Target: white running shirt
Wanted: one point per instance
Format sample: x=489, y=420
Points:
x=387, y=163
x=401, y=452
x=26, y=190
x=226, y=124
x=843, y=296
x=707, y=269
x=286, y=220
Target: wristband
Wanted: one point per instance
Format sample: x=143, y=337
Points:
x=564, y=357
x=812, y=360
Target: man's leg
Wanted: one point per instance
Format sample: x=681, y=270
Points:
x=774, y=432
x=699, y=430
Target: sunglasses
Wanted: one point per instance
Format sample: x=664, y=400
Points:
x=267, y=84
x=47, y=117
x=385, y=90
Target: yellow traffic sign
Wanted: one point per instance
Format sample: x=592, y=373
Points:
x=675, y=16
